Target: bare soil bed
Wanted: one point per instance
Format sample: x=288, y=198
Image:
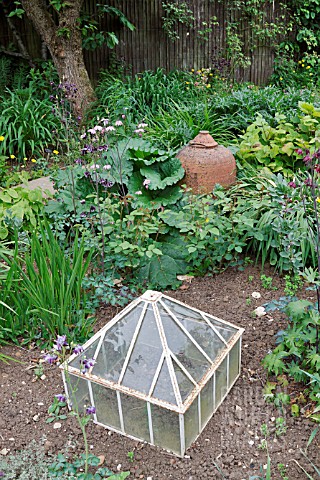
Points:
x=229, y=445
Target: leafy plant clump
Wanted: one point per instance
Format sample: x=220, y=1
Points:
x=297, y=352
x=19, y=207
x=279, y=148
x=43, y=288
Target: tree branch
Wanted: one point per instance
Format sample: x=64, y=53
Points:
x=22, y=48
x=14, y=54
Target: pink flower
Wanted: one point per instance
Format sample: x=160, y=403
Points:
x=146, y=183
x=110, y=129
x=98, y=128
x=92, y=131
x=142, y=125
x=138, y=192
x=118, y=123
x=106, y=167
x=139, y=130
x=123, y=116
x=83, y=135
x=105, y=121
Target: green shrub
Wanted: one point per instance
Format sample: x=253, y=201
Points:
x=19, y=206
x=279, y=147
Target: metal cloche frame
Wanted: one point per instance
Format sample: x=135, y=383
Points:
x=154, y=300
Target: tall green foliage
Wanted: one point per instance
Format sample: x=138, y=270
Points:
x=44, y=287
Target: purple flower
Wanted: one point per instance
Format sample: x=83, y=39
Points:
x=92, y=209
x=82, y=201
x=83, y=215
x=292, y=184
x=87, y=363
x=86, y=174
x=83, y=135
x=105, y=121
x=2, y=474
x=50, y=358
x=299, y=151
x=90, y=410
x=102, y=148
x=60, y=342
x=78, y=161
x=78, y=349
x=60, y=397
x=307, y=159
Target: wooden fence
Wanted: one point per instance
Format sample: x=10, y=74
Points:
x=148, y=47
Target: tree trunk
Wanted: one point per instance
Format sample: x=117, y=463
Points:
x=65, y=46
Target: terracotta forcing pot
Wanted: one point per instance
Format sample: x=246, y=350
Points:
x=206, y=163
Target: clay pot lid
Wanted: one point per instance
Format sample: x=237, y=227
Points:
x=203, y=140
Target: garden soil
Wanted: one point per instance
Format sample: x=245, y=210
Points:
x=228, y=448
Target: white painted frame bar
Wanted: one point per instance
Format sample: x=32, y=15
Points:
x=199, y=412
x=92, y=399
x=132, y=344
x=156, y=375
x=167, y=356
x=150, y=423
x=182, y=434
x=214, y=329
x=185, y=371
x=120, y=411
x=185, y=331
x=223, y=322
x=109, y=325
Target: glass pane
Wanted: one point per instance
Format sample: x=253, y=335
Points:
x=135, y=417
x=166, y=431
x=221, y=382
x=185, y=385
x=106, y=403
x=182, y=311
x=225, y=331
x=88, y=353
x=189, y=356
x=78, y=393
x=164, y=389
x=206, y=397
x=202, y=333
x=115, y=346
x=191, y=423
x=234, y=358
x=145, y=356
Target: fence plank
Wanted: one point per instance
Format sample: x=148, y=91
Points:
x=148, y=48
